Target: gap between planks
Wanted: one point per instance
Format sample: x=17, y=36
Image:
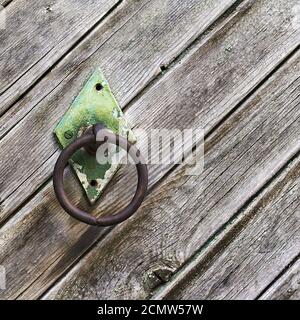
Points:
x=203, y=25
x=222, y=238
x=5, y=122
x=286, y=286
x=48, y=175
x=67, y=288
x=41, y=64
x=18, y=111
x=5, y=3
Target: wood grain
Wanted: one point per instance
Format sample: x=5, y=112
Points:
x=117, y=56
x=119, y=52
x=251, y=251
x=16, y=177
x=185, y=211
x=287, y=287
x=61, y=239
x=191, y=21
x=37, y=35
x=4, y=3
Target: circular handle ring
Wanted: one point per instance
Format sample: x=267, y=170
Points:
x=86, y=140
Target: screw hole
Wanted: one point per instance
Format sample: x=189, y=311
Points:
x=68, y=134
x=93, y=183
x=99, y=86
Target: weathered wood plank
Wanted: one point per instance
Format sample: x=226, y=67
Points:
x=287, y=287
x=68, y=238
x=185, y=211
x=17, y=175
x=4, y=3
x=251, y=252
x=193, y=19
x=156, y=23
x=37, y=34
x=27, y=186
x=129, y=45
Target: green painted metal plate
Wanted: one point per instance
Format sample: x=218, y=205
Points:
x=95, y=103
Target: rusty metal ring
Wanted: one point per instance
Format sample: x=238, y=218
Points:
x=83, y=141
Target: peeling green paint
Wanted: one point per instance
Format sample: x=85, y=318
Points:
x=92, y=106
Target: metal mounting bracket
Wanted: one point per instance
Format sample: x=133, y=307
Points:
x=94, y=104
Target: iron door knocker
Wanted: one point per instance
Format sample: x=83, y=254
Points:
x=95, y=108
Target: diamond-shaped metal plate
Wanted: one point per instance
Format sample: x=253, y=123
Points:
x=95, y=103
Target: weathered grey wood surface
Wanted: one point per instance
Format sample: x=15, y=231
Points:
x=251, y=251
x=288, y=285
x=37, y=34
x=167, y=38
x=4, y=3
x=205, y=81
x=127, y=82
x=115, y=45
x=253, y=144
